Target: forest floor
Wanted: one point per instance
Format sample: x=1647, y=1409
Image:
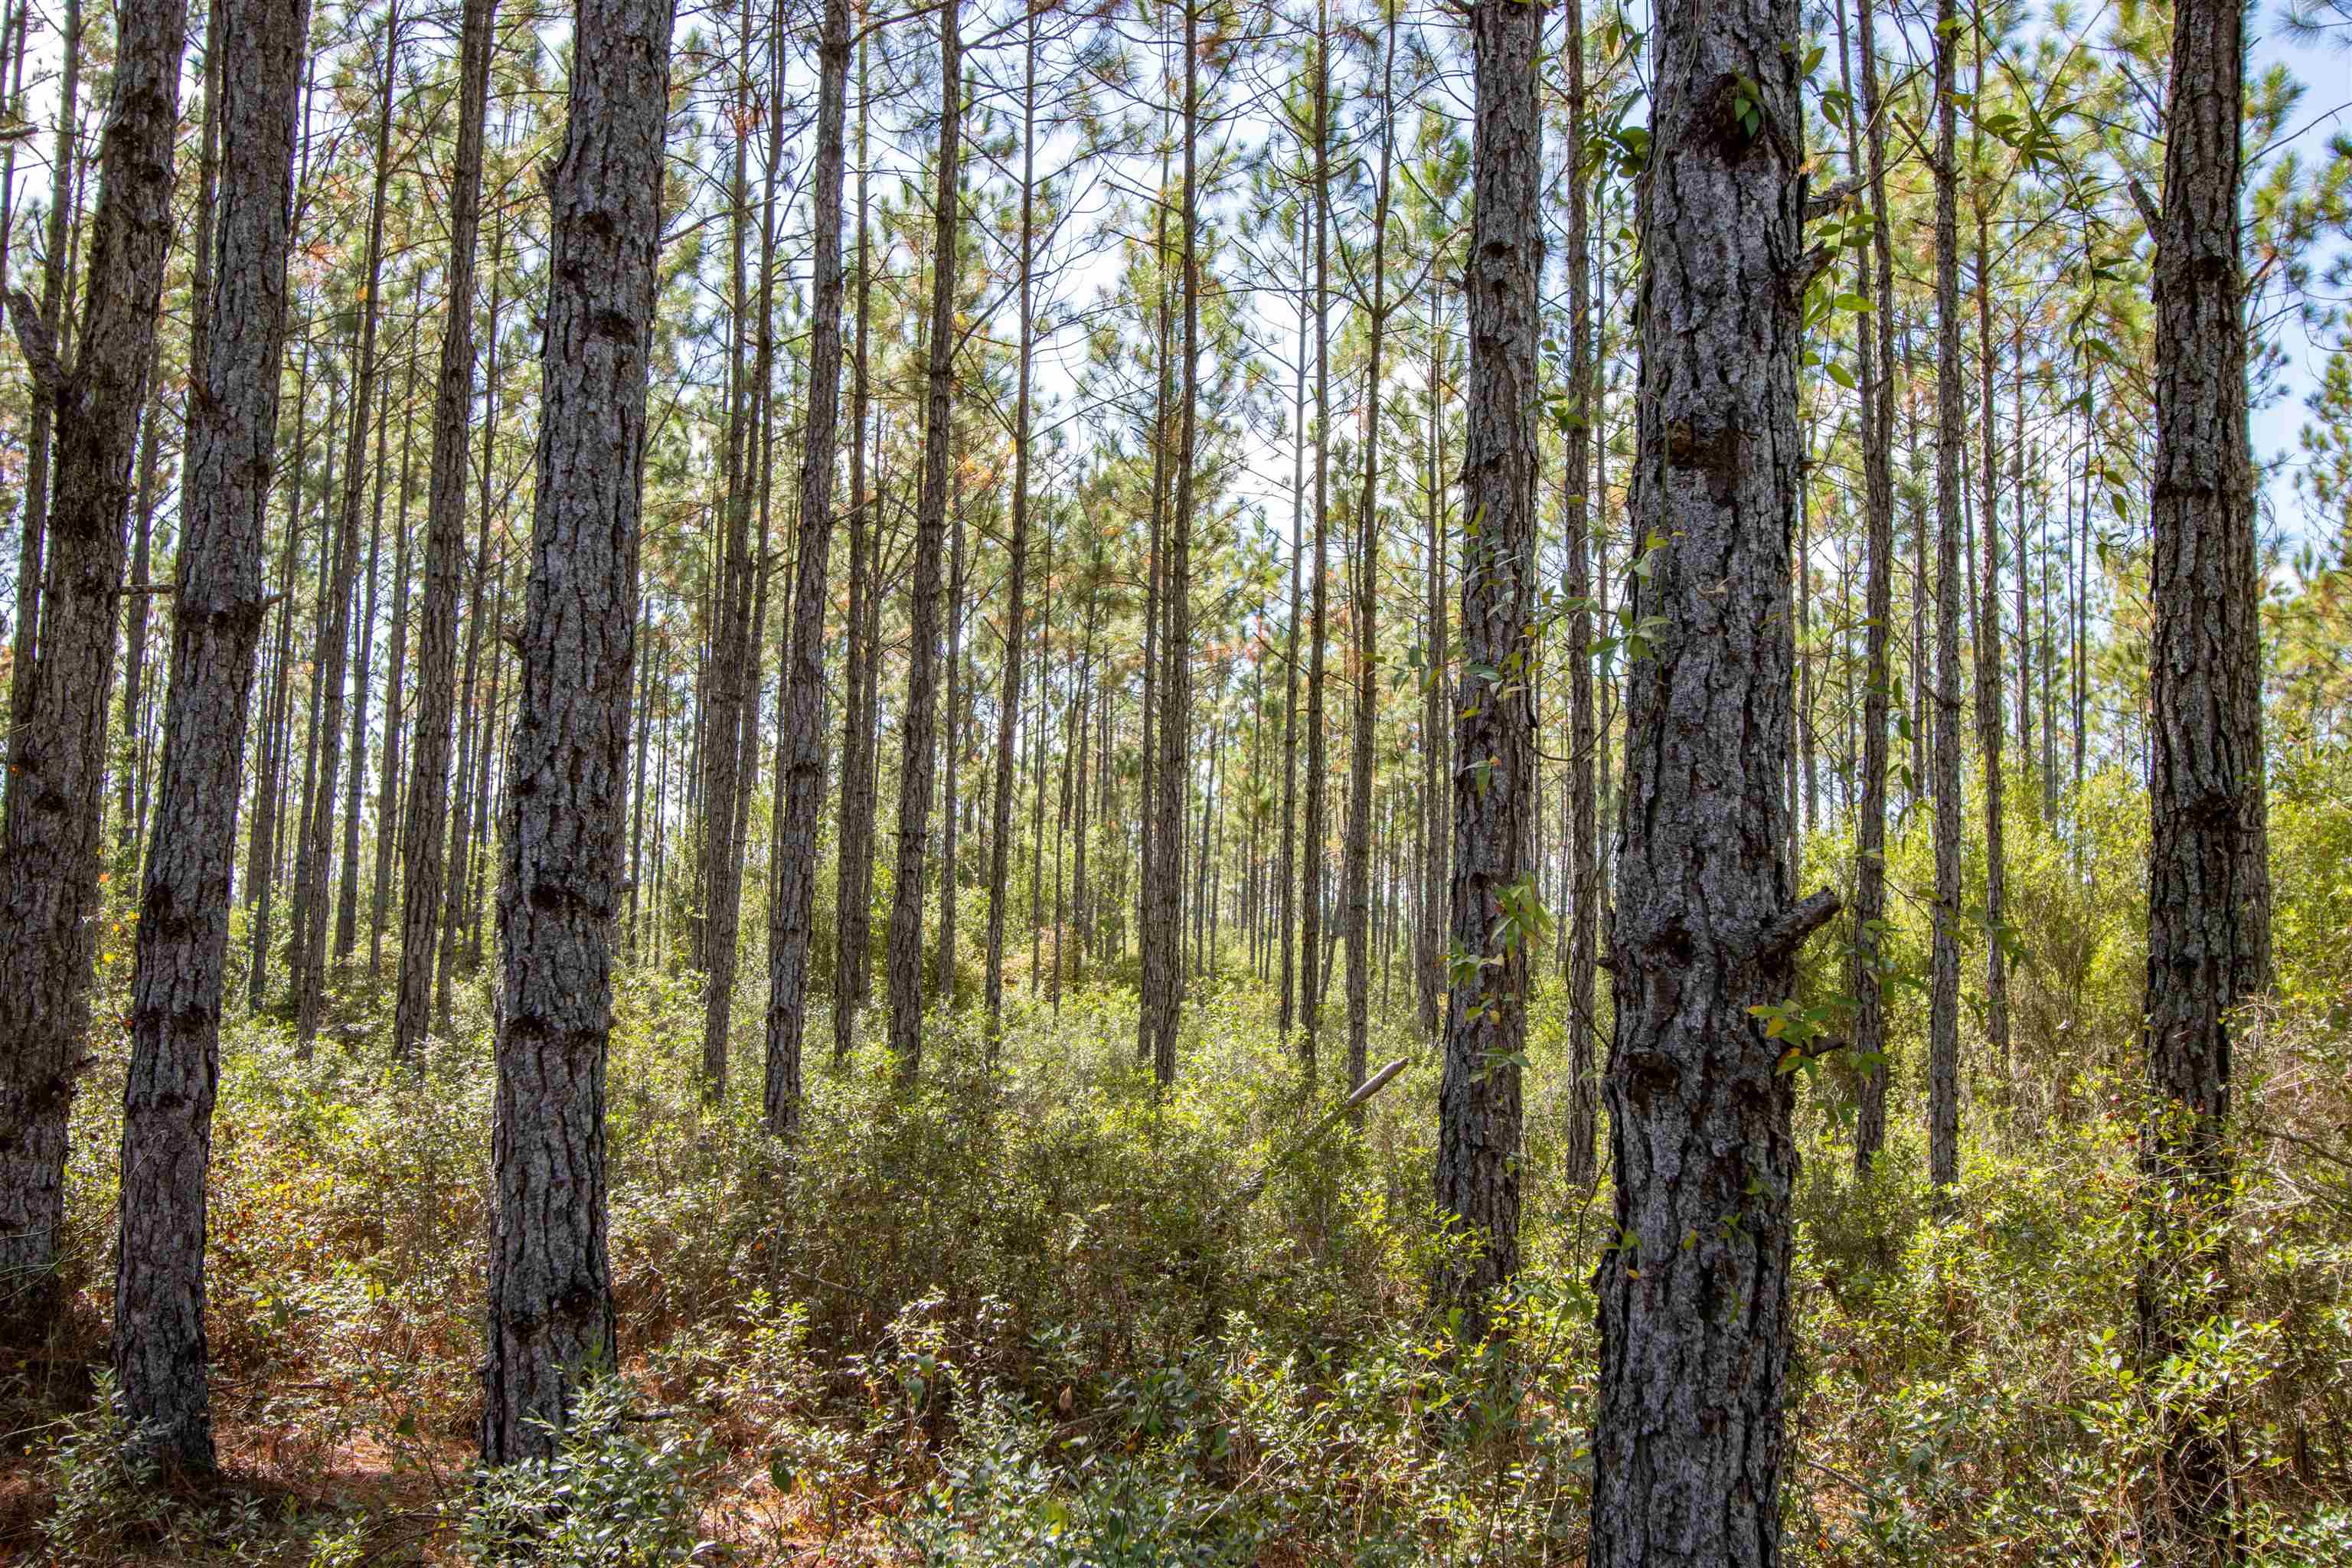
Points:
x=1015, y=1319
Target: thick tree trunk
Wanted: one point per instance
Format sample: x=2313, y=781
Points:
x=57, y=763
x=176, y=982
x=550, y=1286
x=793, y=912
x=425, y=822
x=920, y=733
x=1493, y=917
x=1694, y=1316
x=2209, y=881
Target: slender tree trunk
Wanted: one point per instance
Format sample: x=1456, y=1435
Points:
x=425, y=826
x=802, y=780
x=1583, y=889
x=952, y=748
x=160, y=1357
x=2209, y=881
x=134, y=634
x=395, y=700
x=550, y=1286
x=1990, y=722
x=1875, y=279
x=1494, y=882
x=854, y=878
x=1288, y=873
x=347, y=893
x=1951, y=444
x=1163, y=976
x=1695, y=1312
x=920, y=732
x=1366, y=619
x=1310, y=979
x=34, y=534
x=57, y=763
x=1008, y=702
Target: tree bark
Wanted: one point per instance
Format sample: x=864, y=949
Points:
x=1951, y=446
x=550, y=1287
x=920, y=733
x=1008, y=702
x=854, y=877
x=159, y=1347
x=1694, y=1296
x=424, y=828
x=2209, y=881
x=1491, y=952
x=1583, y=828
x=56, y=765
x=1875, y=279
x=793, y=912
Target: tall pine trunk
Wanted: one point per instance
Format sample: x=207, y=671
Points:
x=2209, y=881
x=793, y=912
x=921, y=733
x=550, y=1284
x=425, y=819
x=57, y=763
x=1695, y=1312
x=160, y=1357
x=1493, y=899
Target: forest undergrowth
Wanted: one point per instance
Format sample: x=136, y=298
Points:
x=1027, y=1313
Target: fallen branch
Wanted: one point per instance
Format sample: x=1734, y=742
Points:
x=1255, y=1186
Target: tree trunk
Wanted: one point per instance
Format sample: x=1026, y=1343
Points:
x=426, y=824
x=1951, y=445
x=159, y=1348
x=1694, y=1296
x=1493, y=916
x=920, y=735
x=1583, y=889
x=2209, y=881
x=792, y=915
x=1875, y=279
x=854, y=877
x=1367, y=616
x=1008, y=702
x=1311, y=943
x=56, y=765
x=550, y=1286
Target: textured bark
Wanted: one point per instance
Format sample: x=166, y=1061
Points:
x=395, y=699
x=1162, y=936
x=135, y=615
x=2208, y=882
x=1491, y=964
x=183, y=943
x=793, y=912
x=1008, y=702
x=730, y=672
x=424, y=820
x=33, y=534
x=1583, y=827
x=1366, y=618
x=1287, y=872
x=56, y=763
x=1990, y=723
x=1875, y=279
x=550, y=1286
x=1319, y=769
x=854, y=877
x=920, y=733
x=1694, y=1294
x=1951, y=449
x=941, y=989
x=347, y=885
x=1430, y=955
